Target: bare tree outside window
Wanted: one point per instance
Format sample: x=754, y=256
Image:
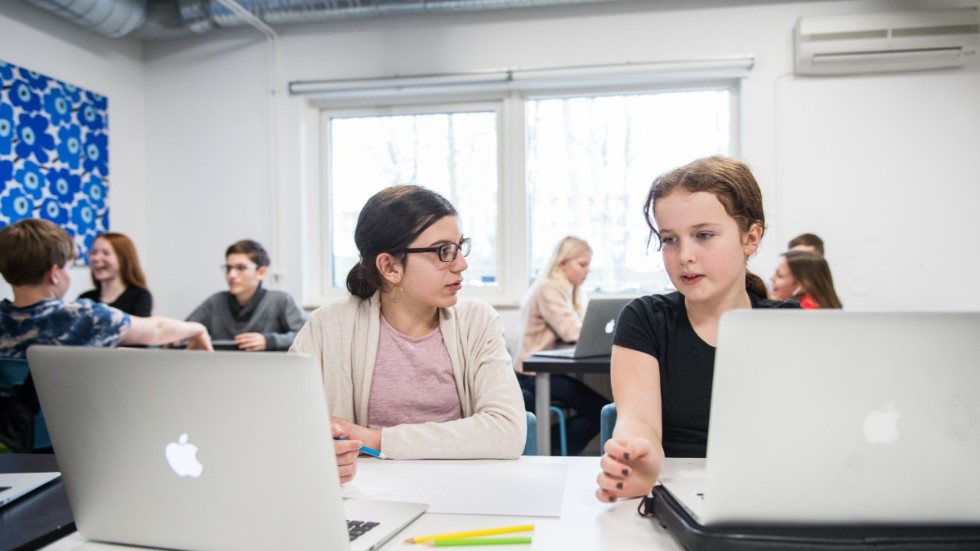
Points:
x=454, y=154
x=590, y=162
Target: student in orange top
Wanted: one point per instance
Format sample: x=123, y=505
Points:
x=804, y=276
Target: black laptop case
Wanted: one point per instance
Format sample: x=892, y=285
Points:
x=663, y=507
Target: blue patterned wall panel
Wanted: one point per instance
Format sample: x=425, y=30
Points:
x=54, y=154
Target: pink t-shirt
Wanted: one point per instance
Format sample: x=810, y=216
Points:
x=413, y=380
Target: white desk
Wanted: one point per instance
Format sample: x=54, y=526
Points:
x=585, y=523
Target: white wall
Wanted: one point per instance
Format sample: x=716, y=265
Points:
x=36, y=40
x=882, y=166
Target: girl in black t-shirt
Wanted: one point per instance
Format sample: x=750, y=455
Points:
x=708, y=219
x=118, y=276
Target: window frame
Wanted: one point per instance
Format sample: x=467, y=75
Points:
x=513, y=269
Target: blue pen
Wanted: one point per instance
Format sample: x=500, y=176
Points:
x=364, y=449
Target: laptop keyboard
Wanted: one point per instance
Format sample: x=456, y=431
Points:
x=357, y=528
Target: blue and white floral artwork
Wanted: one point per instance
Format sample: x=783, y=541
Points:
x=54, y=154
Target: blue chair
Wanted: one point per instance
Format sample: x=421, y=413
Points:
x=607, y=421
x=14, y=371
x=560, y=416
x=562, y=437
x=531, y=443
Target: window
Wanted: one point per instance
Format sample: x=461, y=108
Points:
x=453, y=152
x=590, y=163
x=523, y=167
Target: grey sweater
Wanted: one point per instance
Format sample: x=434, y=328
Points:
x=274, y=314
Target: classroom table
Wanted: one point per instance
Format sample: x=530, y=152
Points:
x=39, y=517
x=543, y=367
x=585, y=523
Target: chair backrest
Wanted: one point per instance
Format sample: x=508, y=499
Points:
x=13, y=372
x=607, y=422
x=531, y=444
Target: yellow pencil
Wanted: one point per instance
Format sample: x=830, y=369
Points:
x=472, y=533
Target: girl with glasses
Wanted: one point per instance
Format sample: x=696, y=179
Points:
x=410, y=369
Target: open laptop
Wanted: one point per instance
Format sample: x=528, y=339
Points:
x=832, y=417
x=224, y=344
x=199, y=450
x=14, y=485
x=598, y=327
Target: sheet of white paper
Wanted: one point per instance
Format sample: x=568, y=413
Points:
x=478, y=487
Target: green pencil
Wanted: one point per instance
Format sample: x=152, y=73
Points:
x=477, y=541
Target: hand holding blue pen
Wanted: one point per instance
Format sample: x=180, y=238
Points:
x=366, y=450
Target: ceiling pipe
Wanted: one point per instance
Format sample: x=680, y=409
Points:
x=111, y=18
x=153, y=19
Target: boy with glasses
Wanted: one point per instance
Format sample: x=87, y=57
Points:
x=247, y=316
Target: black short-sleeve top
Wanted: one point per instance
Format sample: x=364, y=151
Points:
x=658, y=325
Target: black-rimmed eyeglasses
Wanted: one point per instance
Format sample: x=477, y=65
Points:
x=447, y=252
x=240, y=268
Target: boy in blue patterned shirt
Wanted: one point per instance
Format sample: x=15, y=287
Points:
x=35, y=259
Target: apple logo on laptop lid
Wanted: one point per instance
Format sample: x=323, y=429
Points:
x=182, y=457
x=610, y=326
x=881, y=426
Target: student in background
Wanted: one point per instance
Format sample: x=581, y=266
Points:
x=804, y=276
x=117, y=275
x=708, y=219
x=250, y=316
x=806, y=242
x=408, y=368
x=552, y=315
x=35, y=259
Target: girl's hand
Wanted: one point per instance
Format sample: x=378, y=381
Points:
x=368, y=437
x=347, y=452
x=630, y=468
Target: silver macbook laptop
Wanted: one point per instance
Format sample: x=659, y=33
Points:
x=842, y=417
x=14, y=485
x=598, y=327
x=202, y=451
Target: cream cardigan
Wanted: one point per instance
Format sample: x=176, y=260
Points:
x=549, y=319
x=343, y=337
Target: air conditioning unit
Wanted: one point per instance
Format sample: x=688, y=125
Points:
x=882, y=42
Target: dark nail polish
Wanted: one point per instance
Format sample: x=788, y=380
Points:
x=626, y=456
x=612, y=499
x=626, y=472
x=619, y=485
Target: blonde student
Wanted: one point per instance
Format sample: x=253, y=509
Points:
x=408, y=367
x=708, y=219
x=552, y=315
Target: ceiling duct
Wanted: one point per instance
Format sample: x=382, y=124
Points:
x=111, y=18
x=163, y=18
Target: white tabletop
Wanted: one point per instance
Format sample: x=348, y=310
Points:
x=585, y=523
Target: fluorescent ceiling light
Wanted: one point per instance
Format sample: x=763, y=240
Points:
x=396, y=83
x=527, y=79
